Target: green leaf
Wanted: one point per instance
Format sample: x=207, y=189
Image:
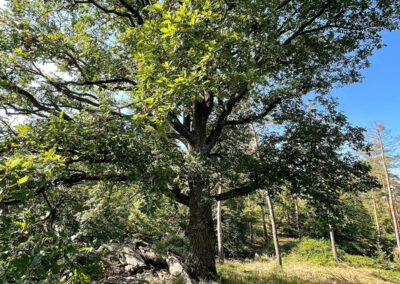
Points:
x=56, y=157
x=16, y=163
x=180, y=79
x=23, y=180
x=149, y=100
x=22, y=128
x=37, y=258
x=50, y=152
x=21, y=224
x=164, y=30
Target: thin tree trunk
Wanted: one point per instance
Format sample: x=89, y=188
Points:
x=296, y=208
x=390, y=191
x=378, y=227
x=396, y=209
x=287, y=216
x=389, y=211
x=332, y=237
x=274, y=233
x=271, y=210
x=219, y=229
x=262, y=206
x=251, y=223
x=202, y=239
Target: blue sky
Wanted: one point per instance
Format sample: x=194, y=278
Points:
x=377, y=97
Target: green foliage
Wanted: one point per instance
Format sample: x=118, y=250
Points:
x=235, y=228
x=396, y=255
x=316, y=251
x=178, y=280
x=319, y=251
x=365, y=261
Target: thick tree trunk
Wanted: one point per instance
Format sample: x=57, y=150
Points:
x=390, y=192
x=332, y=237
x=274, y=233
x=296, y=209
x=219, y=229
x=201, y=257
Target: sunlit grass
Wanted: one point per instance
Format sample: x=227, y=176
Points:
x=296, y=271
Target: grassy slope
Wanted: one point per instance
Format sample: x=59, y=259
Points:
x=301, y=272
x=310, y=261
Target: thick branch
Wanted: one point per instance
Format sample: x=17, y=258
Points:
x=227, y=110
x=180, y=197
x=255, y=117
x=180, y=128
x=240, y=191
x=109, y=11
x=133, y=11
x=71, y=180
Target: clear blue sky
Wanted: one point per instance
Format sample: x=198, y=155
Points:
x=377, y=97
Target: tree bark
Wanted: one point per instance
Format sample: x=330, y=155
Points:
x=389, y=210
x=262, y=206
x=201, y=257
x=390, y=190
x=274, y=233
x=396, y=209
x=219, y=229
x=296, y=208
x=332, y=237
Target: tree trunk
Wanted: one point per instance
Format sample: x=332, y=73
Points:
x=378, y=227
x=332, y=237
x=296, y=208
x=389, y=210
x=219, y=229
x=251, y=224
x=274, y=233
x=390, y=192
x=262, y=205
x=201, y=257
x=396, y=210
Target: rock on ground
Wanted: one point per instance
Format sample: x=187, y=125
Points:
x=139, y=263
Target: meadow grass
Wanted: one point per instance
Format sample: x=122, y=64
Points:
x=310, y=261
x=299, y=272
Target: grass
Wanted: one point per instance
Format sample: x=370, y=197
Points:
x=310, y=261
x=296, y=272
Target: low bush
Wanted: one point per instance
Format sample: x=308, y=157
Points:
x=317, y=251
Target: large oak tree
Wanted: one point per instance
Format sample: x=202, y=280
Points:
x=191, y=72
